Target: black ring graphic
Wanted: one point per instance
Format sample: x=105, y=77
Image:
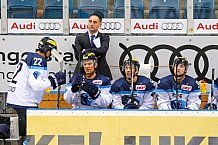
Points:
x=175, y=53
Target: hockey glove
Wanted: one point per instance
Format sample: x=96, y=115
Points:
x=91, y=89
x=58, y=79
x=208, y=107
x=76, y=83
x=131, y=106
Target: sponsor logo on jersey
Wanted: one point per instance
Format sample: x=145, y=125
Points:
x=97, y=82
x=140, y=87
x=186, y=87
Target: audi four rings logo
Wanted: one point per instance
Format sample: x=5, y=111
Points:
x=111, y=26
x=172, y=26
x=49, y=26
x=151, y=53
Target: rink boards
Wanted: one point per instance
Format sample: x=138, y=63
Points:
x=119, y=127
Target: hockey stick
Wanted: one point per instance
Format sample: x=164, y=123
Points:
x=130, y=57
x=55, y=53
x=80, y=71
x=212, y=89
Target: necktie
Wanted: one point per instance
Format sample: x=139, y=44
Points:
x=92, y=41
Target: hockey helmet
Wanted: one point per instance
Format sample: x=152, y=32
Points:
x=181, y=60
x=47, y=44
x=89, y=56
x=135, y=63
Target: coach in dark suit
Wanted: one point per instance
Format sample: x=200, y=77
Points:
x=93, y=41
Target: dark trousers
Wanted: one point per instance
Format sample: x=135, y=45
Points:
x=21, y=112
x=22, y=120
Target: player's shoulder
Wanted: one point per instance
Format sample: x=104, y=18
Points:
x=191, y=81
x=166, y=79
x=166, y=82
x=34, y=59
x=143, y=78
x=105, y=80
x=119, y=81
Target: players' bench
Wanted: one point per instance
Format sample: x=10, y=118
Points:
x=50, y=101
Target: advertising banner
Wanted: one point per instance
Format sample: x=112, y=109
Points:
x=116, y=127
x=108, y=25
x=35, y=26
x=205, y=26
x=112, y=25
x=160, y=26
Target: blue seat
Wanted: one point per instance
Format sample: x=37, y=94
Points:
x=53, y=9
x=22, y=8
x=202, y=9
x=164, y=9
x=137, y=9
x=87, y=7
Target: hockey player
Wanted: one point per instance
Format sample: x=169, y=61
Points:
x=178, y=91
x=30, y=80
x=91, y=89
x=142, y=89
x=213, y=96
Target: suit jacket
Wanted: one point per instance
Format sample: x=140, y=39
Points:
x=82, y=41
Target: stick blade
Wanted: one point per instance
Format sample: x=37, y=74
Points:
x=55, y=53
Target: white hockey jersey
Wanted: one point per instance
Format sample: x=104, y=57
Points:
x=215, y=93
x=103, y=100
x=29, y=81
x=188, y=94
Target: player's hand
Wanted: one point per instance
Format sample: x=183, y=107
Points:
x=208, y=107
x=131, y=106
x=76, y=83
x=58, y=79
x=91, y=89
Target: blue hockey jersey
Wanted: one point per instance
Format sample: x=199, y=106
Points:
x=142, y=90
x=103, y=100
x=188, y=94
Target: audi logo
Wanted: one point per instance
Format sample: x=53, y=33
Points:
x=151, y=53
x=172, y=26
x=49, y=26
x=111, y=26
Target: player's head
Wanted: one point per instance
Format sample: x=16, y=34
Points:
x=45, y=46
x=94, y=22
x=180, y=64
x=126, y=67
x=89, y=62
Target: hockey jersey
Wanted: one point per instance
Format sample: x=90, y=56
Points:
x=215, y=93
x=188, y=94
x=142, y=92
x=103, y=100
x=29, y=81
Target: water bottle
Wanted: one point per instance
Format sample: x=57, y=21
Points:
x=203, y=87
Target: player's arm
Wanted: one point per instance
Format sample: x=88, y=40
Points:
x=193, y=100
x=105, y=97
x=117, y=97
x=69, y=96
x=148, y=99
x=163, y=96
